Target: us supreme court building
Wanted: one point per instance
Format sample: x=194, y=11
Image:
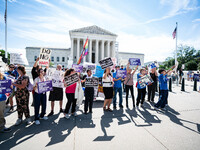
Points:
x=101, y=44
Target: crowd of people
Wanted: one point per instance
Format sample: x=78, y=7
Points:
x=110, y=82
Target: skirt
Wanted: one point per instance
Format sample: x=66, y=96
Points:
x=56, y=94
x=108, y=92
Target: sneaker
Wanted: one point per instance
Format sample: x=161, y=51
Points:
x=6, y=130
x=121, y=106
x=50, y=114
x=18, y=122
x=37, y=122
x=90, y=111
x=44, y=118
x=75, y=114
x=114, y=107
x=61, y=110
x=166, y=105
x=67, y=116
x=164, y=109
x=28, y=121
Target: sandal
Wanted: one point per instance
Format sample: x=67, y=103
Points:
x=110, y=110
x=104, y=108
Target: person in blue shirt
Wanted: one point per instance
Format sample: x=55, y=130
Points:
x=117, y=88
x=163, y=89
x=2, y=108
x=141, y=89
x=12, y=73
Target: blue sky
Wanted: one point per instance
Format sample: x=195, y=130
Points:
x=142, y=26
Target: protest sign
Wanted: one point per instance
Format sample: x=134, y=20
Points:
x=57, y=79
x=121, y=74
x=134, y=62
x=77, y=68
x=153, y=66
x=71, y=79
x=196, y=76
x=44, y=56
x=44, y=86
x=91, y=82
x=99, y=72
x=5, y=86
x=106, y=63
x=145, y=80
x=16, y=58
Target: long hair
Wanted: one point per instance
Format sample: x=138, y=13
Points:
x=68, y=72
x=1, y=76
x=22, y=68
x=109, y=72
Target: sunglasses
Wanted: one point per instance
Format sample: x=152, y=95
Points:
x=12, y=67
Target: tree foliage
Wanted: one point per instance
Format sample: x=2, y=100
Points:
x=2, y=53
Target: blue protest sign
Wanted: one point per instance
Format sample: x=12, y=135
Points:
x=77, y=68
x=99, y=72
x=45, y=86
x=5, y=86
x=121, y=74
x=134, y=62
x=153, y=66
x=196, y=76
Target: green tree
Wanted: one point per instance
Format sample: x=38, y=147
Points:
x=198, y=66
x=2, y=53
x=191, y=65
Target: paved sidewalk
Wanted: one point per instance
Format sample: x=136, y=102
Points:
x=177, y=128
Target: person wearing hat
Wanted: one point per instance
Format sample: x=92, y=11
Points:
x=163, y=88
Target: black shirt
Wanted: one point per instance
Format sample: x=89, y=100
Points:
x=154, y=77
x=34, y=73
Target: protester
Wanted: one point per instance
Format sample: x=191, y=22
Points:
x=141, y=90
x=2, y=108
x=22, y=95
x=70, y=94
x=12, y=73
x=40, y=98
x=152, y=87
x=56, y=95
x=123, y=68
x=107, y=89
x=180, y=75
x=89, y=94
x=163, y=89
x=129, y=84
x=117, y=89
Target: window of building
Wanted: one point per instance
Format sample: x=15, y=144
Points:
x=58, y=59
x=63, y=59
x=35, y=58
x=52, y=58
x=67, y=58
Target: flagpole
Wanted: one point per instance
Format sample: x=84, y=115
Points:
x=176, y=61
x=6, y=54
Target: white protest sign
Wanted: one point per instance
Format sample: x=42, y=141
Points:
x=57, y=77
x=16, y=58
x=44, y=57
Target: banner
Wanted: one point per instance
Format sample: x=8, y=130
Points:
x=77, y=68
x=99, y=72
x=16, y=58
x=91, y=82
x=134, y=62
x=145, y=80
x=44, y=86
x=5, y=86
x=71, y=79
x=57, y=79
x=121, y=74
x=44, y=57
x=106, y=63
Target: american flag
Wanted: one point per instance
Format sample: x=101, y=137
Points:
x=5, y=15
x=174, y=33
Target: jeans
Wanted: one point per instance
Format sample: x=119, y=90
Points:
x=127, y=87
x=89, y=96
x=40, y=99
x=151, y=91
x=141, y=96
x=70, y=101
x=162, y=99
x=116, y=89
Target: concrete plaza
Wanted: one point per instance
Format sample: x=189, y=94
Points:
x=177, y=128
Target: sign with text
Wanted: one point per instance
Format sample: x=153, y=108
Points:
x=77, y=68
x=134, y=62
x=16, y=58
x=91, y=82
x=44, y=86
x=5, y=86
x=44, y=57
x=121, y=74
x=145, y=80
x=99, y=72
x=106, y=63
x=71, y=79
x=57, y=79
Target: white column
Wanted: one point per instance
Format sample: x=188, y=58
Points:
x=78, y=50
x=113, y=49
x=83, y=46
x=97, y=52
x=108, y=48
x=90, y=51
x=72, y=49
x=102, y=49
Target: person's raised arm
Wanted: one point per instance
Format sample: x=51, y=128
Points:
x=170, y=69
x=135, y=70
x=35, y=64
x=127, y=67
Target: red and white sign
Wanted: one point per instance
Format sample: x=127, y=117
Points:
x=44, y=57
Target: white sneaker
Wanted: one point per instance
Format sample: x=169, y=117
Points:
x=28, y=121
x=44, y=118
x=67, y=116
x=37, y=122
x=18, y=122
x=75, y=114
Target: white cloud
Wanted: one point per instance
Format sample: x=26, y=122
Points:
x=196, y=20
